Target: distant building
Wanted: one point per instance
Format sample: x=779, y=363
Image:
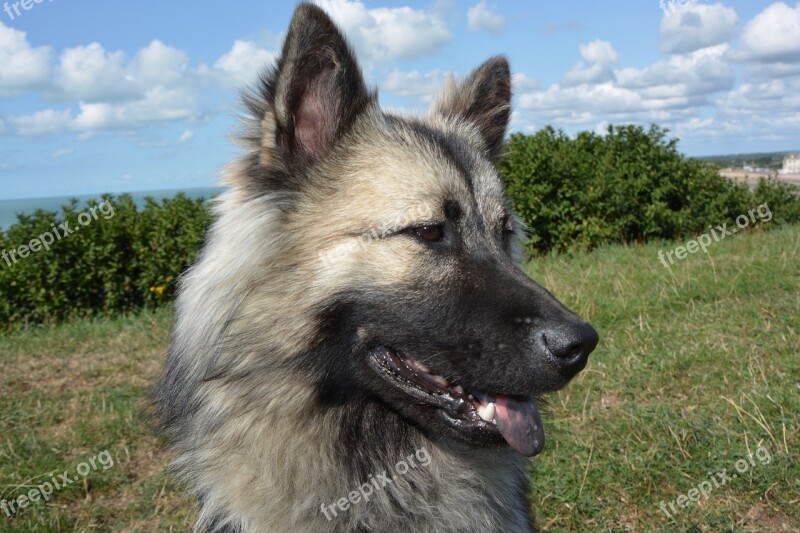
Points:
x=791, y=164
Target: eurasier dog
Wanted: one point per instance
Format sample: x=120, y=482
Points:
x=359, y=306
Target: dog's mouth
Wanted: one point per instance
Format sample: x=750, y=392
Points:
x=466, y=409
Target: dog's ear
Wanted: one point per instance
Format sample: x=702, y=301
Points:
x=484, y=99
x=317, y=89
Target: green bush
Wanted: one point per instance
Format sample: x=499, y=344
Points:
x=629, y=185
x=120, y=261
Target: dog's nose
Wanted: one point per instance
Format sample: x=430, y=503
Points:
x=570, y=345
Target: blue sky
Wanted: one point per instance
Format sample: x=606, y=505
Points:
x=122, y=96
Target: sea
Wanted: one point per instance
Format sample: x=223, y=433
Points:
x=10, y=208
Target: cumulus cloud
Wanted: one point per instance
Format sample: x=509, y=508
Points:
x=22, y=66
x=108, y=90
x=240, y=66
x=414, y=83
x=665, y=90
x=521, y=82
x=770, y=45
x=768, y=99
x=695, y=26
x=92, y=74
x=772, y=36
x=41, y=122
x=600, y=56
x=385, y=34
x=693, y=90
x=697, y=74
x=481, y=17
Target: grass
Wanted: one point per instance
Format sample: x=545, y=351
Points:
x=697, y=367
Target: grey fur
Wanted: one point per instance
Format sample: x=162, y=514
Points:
x=252, y=397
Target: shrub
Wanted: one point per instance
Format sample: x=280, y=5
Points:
x=629, y=185
x=110, y=265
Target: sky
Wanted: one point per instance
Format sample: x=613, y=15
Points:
x=111, y=96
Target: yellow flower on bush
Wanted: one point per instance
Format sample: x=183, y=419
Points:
x=159, y=290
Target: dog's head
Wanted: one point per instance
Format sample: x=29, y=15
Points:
x=406, y=243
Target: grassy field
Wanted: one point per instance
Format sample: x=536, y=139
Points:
x=698, y=366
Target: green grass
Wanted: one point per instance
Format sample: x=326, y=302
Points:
x=697, y=366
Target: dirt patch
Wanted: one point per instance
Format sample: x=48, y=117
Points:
x=82, y=372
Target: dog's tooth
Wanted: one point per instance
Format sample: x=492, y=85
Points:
x=459, y=389
x=421, y=366
x=487, y=412
x=441, y=381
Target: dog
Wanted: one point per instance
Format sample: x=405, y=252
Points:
x=359, y=305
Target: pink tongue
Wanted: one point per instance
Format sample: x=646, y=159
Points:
x=520, y=424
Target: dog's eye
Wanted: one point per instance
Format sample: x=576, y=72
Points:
x=432, y=233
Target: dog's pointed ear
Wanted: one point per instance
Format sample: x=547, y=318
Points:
x=318, y=89
x=484, y=99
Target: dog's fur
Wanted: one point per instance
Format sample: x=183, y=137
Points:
x=314, y=262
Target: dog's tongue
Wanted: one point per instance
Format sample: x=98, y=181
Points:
x=520, y=424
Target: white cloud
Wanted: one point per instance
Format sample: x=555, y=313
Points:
x=159, y=64
x=693, y=90
x=520, y=82
x=90, y=73
x=240, y=66
x=664, y=91
x=160, y=104
x=414, y=83
x=109, y=91
x=772, y=36
x=187, y=135
x=600, y=56
x=770, y=46
x=767, y=99
x=700, y=73
x=105, y=90
x=22, y=67
x=601, y=128
x=695, y=26
x=385, y=34
x=480, y=17
x=64, y=152
x=42, y=122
